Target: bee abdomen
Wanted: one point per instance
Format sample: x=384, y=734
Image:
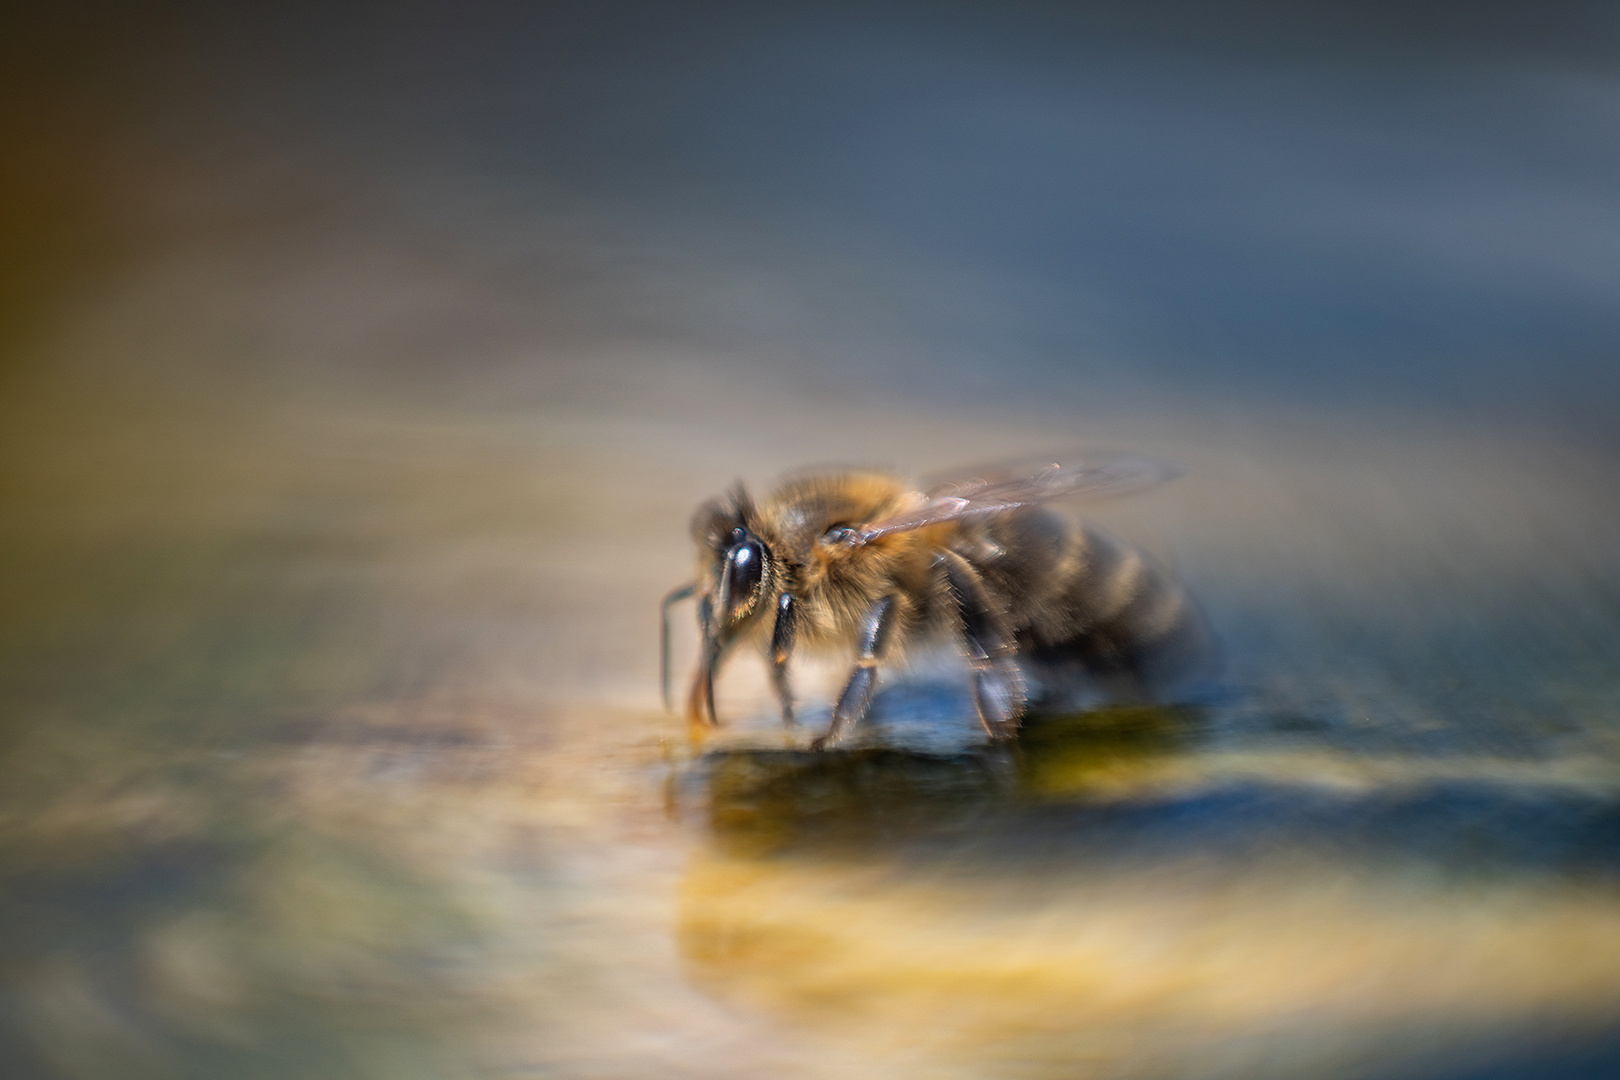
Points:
x=1115, y=612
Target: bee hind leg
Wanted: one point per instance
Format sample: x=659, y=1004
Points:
x=999, y=691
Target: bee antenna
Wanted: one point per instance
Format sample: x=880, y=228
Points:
x=743, y=501
x=675, y=596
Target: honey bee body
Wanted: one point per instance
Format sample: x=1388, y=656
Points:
x=866, y=562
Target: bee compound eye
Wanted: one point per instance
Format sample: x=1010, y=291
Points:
x=745, y=569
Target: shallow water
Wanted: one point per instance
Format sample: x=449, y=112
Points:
x=335, y=750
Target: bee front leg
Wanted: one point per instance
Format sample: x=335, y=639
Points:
x=856, y=699
x=787, y=615
x=998, y=684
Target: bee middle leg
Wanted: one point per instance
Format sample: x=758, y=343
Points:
x=998, y=684
x=782, y=635
x=856, y=699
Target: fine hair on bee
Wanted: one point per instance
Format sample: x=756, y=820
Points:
x=865, y=564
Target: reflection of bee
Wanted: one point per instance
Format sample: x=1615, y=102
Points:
x=862, y=561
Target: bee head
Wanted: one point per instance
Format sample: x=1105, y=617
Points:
x=742, y=561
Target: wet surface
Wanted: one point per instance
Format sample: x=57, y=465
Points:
x=331, y=756
x=1084, y=799
x=1153, y=928
x=336, y=752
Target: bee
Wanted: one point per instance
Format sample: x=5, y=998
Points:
x=864, y=563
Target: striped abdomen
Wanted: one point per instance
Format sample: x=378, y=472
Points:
x=1077, y=598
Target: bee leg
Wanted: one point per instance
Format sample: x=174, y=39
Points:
x=675, y=596
x=857, y=696
x=998, y=684
x=787, y=614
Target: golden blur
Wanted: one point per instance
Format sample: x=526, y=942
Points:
x=1301, y=966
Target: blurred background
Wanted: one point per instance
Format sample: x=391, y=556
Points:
x=361, y=364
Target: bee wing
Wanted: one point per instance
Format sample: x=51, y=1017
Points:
x=1035, y=480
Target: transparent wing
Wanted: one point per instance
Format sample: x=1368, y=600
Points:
x=1031, y=480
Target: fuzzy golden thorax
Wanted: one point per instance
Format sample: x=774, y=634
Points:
x=800, y=525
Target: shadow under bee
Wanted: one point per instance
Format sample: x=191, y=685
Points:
x=1135, y=785
x=770, y=801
